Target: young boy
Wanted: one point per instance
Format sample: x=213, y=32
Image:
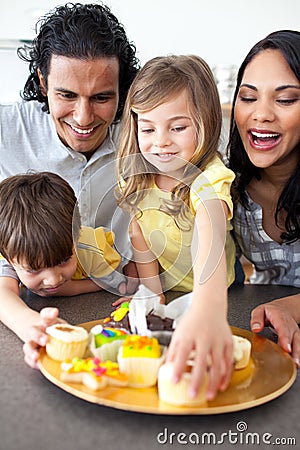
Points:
x=44, y=247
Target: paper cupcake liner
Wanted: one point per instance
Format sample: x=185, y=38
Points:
x=178, y=394
x=107, y=351
x=141, y=372
x=59, y=350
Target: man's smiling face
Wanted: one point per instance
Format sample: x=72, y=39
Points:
x=83, y=97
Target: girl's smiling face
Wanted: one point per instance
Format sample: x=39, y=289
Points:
x=267, y=110
x=166, y=134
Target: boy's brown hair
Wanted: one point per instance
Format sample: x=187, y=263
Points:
x=39, y=219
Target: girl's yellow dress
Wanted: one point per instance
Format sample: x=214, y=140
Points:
x=170, y=243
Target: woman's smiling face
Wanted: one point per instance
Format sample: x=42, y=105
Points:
x=267, y=110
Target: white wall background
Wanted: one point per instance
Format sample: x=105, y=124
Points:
x=221, y=31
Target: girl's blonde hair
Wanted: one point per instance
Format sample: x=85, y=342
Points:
x=160, y=80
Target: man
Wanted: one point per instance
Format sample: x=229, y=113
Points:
x=81, y=66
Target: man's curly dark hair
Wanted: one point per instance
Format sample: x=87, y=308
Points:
x=78, y=31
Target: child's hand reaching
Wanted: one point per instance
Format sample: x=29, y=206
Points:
x=38, y=336
x=210, y=337
x=132, y=279
x=121, y=300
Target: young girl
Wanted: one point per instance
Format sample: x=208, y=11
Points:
x=177, y=190
x=264, y=152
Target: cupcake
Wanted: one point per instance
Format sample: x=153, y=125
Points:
x=93, y=373
x=66, y=341
x=106, y=341
x=140, y=357
x=178, y=394
x=241, y=352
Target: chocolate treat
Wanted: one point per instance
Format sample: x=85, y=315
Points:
x=156, y=323
x=119, y=318
x=123, y=323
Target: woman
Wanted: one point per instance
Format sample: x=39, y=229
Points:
x=264, y=152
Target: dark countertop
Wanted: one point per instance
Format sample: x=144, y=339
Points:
x=37, y=415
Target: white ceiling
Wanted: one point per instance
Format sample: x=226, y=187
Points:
x=221, y=31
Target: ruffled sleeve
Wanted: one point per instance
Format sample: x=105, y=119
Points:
x=96, y=255
x=214, y=182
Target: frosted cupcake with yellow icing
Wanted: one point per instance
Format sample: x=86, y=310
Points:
x=139, y=358
x=66, y=341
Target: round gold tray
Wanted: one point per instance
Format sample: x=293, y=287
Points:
x=270, y=373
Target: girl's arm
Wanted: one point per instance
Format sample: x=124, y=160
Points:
x=146, y=262
x=283, y=315
x=204, y=328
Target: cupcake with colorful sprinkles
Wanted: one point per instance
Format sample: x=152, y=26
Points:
x=106, y=341
x=140, y=357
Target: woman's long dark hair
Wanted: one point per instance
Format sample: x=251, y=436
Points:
x=288, y=43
